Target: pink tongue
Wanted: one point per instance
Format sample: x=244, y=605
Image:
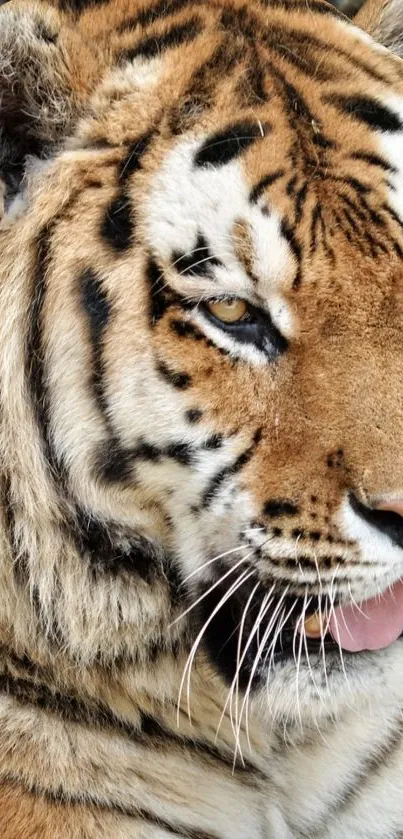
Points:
x=372, y=626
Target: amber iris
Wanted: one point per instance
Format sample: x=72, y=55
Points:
x=229, y=311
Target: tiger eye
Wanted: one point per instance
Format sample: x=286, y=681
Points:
x=229, y=311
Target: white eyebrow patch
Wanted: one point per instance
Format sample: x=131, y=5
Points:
x=282, y=316
x=187, y=202
x=274, y=263
x=391, y=147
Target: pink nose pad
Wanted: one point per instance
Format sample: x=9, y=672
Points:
x=395, y=506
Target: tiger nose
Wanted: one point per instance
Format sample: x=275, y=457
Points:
x=394, y=506
x=386, y=516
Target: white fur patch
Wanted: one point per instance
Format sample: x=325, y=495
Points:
x=376, y=548
x=186, y=202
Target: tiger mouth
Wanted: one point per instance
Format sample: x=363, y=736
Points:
x=245, y=642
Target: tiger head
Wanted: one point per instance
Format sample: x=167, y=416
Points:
x=201, y=259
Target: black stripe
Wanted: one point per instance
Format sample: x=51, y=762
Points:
x=155, y=730
x=198, y=263
x=297, y=49
x=153, y=46
x=199, y=95
x=80, y=6
x=364, y=775
x=98, y=310
x=177, y=379
x=19, y=555
x=117, y=228
x=194, y=415
x=157, y=11
x=207, y=78
x=160, y=297
x=325, y=243
x=114, y=463
x=165, y=8
x=111, y=550
x=285, y=40
x=392, y=213
x=150, y=731
x=133, y=159
x=306, y=8
x=139, y=815
x=185, y=329
x=35, y=352
x=374, y=160
x=315, y=223
x=308, y=40
x=219, y=479
x=354, y=226
x=251, y=87
x=45, y=32
x=179, y=830
x=300, y=200
x=225, y=145
x=296, y=249
x=264, y=183
x=367, y=110
x=278, y=507
x=357, y=210
x=300, y=116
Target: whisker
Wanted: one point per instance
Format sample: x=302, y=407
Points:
x=298, y=629
x=265, y=605
x=357, y=605
x=214, y=559
x=209, y=590
x=188, y=667
x=239, y=662
x=336, y=625
x=308, y=660
x=245, y=703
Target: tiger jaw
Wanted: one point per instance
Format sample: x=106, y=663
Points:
x=274, y=601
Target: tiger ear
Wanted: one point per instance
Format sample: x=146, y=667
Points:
x=383, y=19
x=46, y=74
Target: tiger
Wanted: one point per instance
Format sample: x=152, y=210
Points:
x=201, y=421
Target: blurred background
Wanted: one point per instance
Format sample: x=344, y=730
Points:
x=346, y=6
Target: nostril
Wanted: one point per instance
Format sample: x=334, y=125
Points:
x=387, y=518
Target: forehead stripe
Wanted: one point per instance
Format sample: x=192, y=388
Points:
x=132, y=161
x=311, y=6
x=368, y=110
x=374, y=160
x=163, y=9
x=297, y=46
x=223, y=146
x=264, y=183
x=198, y=262
x=153, y=46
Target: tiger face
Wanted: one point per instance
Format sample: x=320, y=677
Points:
x=205, y=264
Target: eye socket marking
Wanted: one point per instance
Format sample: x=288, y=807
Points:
x=246, y=324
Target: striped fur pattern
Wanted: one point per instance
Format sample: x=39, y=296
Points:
x=179, y=492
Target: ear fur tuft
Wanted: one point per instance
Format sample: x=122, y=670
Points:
x=46, y=76
x=383, y=19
